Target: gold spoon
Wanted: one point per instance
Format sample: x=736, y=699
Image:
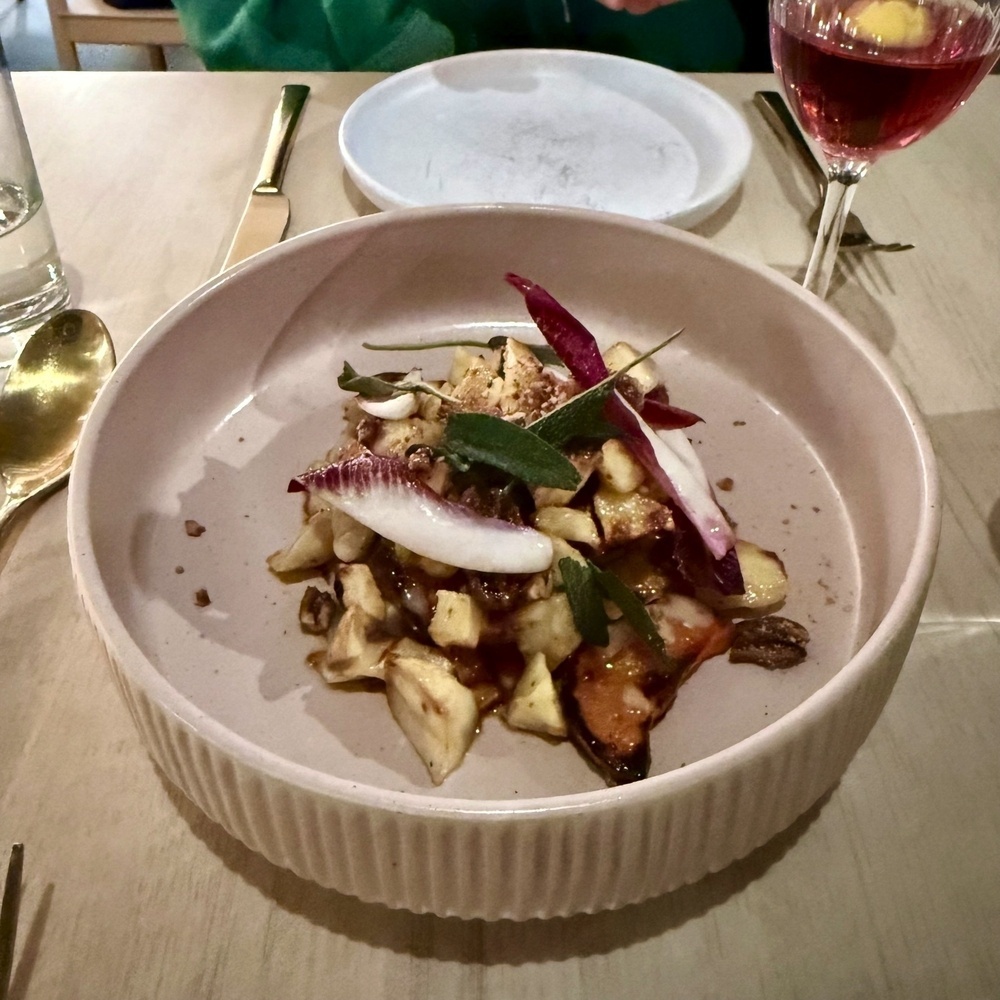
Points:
x=49, y=391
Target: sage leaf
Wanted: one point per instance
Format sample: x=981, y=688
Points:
x=581, y=416
x=634, y=612
x=481, y=437
x=376, y=387
x=369, y=386
x=585, y=602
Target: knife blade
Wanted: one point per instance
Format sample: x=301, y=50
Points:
x=265, y=217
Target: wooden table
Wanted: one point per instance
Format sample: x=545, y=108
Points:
x=889, y=887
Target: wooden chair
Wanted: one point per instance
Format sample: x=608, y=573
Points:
x=93, y=22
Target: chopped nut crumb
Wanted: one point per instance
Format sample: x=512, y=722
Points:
x=201, y=598
x=725, y=484
x=178, y=569
x=193, y=528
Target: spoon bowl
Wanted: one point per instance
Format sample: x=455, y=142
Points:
x=50, y=389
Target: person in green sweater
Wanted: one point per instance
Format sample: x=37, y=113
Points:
x=390, y=35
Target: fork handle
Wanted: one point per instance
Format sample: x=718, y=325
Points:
x=775, y=112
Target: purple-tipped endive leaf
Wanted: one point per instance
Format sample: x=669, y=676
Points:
x=673, y=466
x=384, y=495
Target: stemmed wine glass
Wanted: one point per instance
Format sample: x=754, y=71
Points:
x=865, y=77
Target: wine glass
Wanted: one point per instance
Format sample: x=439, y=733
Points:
x=865, y=77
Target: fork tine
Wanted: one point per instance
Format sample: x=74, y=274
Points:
x=881, y=247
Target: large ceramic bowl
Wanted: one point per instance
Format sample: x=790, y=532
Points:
x=234, y=391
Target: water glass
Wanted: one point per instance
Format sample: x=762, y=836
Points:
x=32, y=283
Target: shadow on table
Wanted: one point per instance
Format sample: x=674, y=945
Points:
x=502, y=942
x=33, y=931
x=964, y=586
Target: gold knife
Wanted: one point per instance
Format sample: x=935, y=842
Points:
x=265, y=218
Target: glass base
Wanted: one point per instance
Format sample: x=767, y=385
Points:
x=27, y=313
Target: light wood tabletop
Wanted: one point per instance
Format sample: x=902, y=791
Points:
x=888, y=887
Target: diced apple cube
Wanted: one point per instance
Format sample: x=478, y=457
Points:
x=568, y=523
x=546, y=627
x=312, y=547
x=534, y=705
x=619, y=468
x=617, y=356
x=457, y=620
x=437, y=713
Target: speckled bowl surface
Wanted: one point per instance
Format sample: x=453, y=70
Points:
x=234, y=391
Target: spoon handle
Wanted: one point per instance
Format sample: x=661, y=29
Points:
x=11, y=502
x=7, y=510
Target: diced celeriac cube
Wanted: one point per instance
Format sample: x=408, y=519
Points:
x=436, y=712
x=355, y=650
x=312, y=547
x=534, y=705
x=619, y=468
x=568, y=523
x=360, y=590
x=547, y=627
x=457, y=620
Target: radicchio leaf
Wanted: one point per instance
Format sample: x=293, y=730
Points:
x=384, y=495
x=662, y=415
x=577, y=346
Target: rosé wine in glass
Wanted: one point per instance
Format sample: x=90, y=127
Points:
x=866, y=77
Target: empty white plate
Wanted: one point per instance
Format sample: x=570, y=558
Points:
x=550, y=127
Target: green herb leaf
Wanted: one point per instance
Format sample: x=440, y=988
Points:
x=581, y=416
x=589, y=616
x=377, y=387
x=634, y=612
x=543, y=352
x=481, y=437
x=369, y=386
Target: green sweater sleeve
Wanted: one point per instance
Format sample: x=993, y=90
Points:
x=389, y=35
x=307, y=35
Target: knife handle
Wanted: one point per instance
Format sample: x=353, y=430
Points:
x=775, y=112
x=279, y=139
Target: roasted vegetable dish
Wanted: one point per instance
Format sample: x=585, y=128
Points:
x=532, y=536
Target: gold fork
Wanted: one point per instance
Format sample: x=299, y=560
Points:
x=775, y=112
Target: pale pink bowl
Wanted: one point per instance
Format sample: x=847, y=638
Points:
x=233, y=392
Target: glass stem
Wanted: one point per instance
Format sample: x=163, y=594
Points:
x=840, y=187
